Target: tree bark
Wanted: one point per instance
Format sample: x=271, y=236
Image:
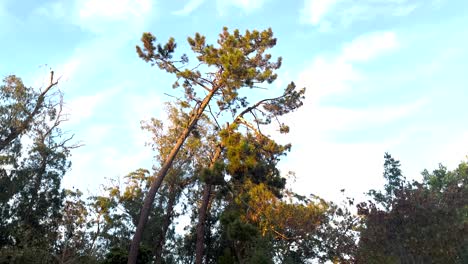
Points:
x=149, y=199
x=203, y=211
x=166, y=222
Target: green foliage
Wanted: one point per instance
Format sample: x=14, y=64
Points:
x=254, y=158
x=117, y=255
x=33, y=160
x=250, y=216
x=116, y=213
x=421, y=222
x=215, y=175
x=237, y=61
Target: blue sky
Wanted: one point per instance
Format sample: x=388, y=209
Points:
x=381, y=75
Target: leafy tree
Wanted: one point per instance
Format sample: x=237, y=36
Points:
x=251, y=222
x=20, y=107
x=239, y=61
x=416, y=222
x=76, y=243
x=116, y=213
x=336, y=238
x=117, y=209
x=33, y=159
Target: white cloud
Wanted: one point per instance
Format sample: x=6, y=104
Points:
x=100, y=16
x=322, y=164
x=54, y=10
x=3, y=11
x=82, y=108
x=327, y=14
x=189, y=7
x=8, y=22
x=143, y=108
x=90, y=60
x=437, y=3
x=116, y=24
x=327, y=167
x=369, y=46
x=453, y=152
x=328, y=75
x=405, y=10
x=333, y=74
x=98, y=160
x=93, y=166
x=113, y=9
x=246, y=5
x=68, y=70
x=315, y=10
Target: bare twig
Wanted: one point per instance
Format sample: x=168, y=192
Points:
x=211, y=112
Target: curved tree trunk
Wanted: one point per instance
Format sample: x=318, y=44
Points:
x=149, y=199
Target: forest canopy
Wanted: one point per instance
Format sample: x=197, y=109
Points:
x=215, y=166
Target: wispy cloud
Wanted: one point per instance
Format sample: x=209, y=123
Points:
x=317, y=154
x=112, y=9
x=7, y=21
x=100, y=16
x=54, y=10
x=453, y=152
x=104, y=113
x=369, y=46
x=315, y=10
x=101, y=156
x=81, y=108
x=334, y=74
x=94, y=165
x=246, y=5
x=326, y=14
x=189, y=7
x=405, y=10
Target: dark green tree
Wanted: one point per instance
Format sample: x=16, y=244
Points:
x=416, y=222
x=33, y=160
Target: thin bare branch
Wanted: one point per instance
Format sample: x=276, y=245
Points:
x=215, y=119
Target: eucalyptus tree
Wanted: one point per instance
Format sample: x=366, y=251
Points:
x=34, y=155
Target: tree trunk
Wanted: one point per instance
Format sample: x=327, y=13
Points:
x=149, y=199
x=203, y=211
x=166, y=222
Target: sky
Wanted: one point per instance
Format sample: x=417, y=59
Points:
x=381, y=76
